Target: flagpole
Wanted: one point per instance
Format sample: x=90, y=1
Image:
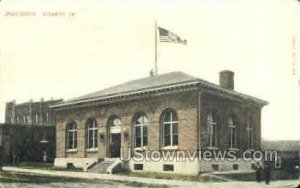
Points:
x=156, y=71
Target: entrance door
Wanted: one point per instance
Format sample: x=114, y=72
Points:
x=115, y=144
x=115, y=136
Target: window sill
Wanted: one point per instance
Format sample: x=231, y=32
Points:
x=212, y=148
x=92, y=150
x=71, y=150
x=170, y=148
x=141, y=148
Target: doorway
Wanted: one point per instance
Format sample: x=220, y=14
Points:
x=115, y=136
x=115, y=144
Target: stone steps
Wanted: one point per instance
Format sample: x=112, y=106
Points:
x=101, y=167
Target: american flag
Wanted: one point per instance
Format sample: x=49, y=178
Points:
x=168, y=36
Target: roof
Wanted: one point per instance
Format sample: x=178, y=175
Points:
x=152, y=84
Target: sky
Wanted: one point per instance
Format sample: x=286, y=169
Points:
x=98, y=44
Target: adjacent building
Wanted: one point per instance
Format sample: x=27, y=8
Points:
x=31, y=113
x=20, y=143
x=165, y=113
x=28, y=133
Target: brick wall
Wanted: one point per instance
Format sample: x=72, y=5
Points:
x=26, y=113
x=224, y=108
x=185, y=105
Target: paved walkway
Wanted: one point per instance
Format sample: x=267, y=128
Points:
x=172, y=183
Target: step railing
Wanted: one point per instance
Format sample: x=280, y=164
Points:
x=117, y=164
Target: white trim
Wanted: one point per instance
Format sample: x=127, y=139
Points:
x=94, y=130
x=72, y=131
x=122, y=94
x=212, y=148
x=92, y=149
x=206, y=84
x=171, y=123
x=170, y=147
x=232, y=127
x=71, y=150
x=250, y=141
x=141, y=148
x=143, y=125
x=212, y=131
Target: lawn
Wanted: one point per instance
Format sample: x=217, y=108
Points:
x=181, y=177
x=17, y=177
x=275, y=175
x=43, y=166
x=49, y=166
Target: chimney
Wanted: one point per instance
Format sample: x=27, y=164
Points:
x=227, y=79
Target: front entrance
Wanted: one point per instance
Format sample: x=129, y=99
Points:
x=115, y=145
x=115, y=137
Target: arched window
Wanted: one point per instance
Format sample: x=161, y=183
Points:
x=141, y=131
x=212, y=131
x=249, y=129
x=91, y=134
x=169, y=128
x=232, y=133
x=71, y=135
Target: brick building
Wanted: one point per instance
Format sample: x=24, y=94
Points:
x=30, y=113
x=169, y=112
x=28, y=133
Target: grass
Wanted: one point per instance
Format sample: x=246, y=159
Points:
x=44, y=166
x=275, y=175
x=17, y=177
x=181, y=177
x=49, y=166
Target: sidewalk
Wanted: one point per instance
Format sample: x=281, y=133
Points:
x=171, y=183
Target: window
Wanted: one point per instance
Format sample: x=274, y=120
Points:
x=249, y=130
x=141, y=131
x=92, y=134
x=232, y=134
x=212, y=131
x=1, y=136
x=47, y=117
x=24, y=119
x=18, y=121
x=71, y=136
x=168, y=167
x=170, y=128
x=138, y=166
x=235, y=166
x=36, y=118
x=215, y=167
